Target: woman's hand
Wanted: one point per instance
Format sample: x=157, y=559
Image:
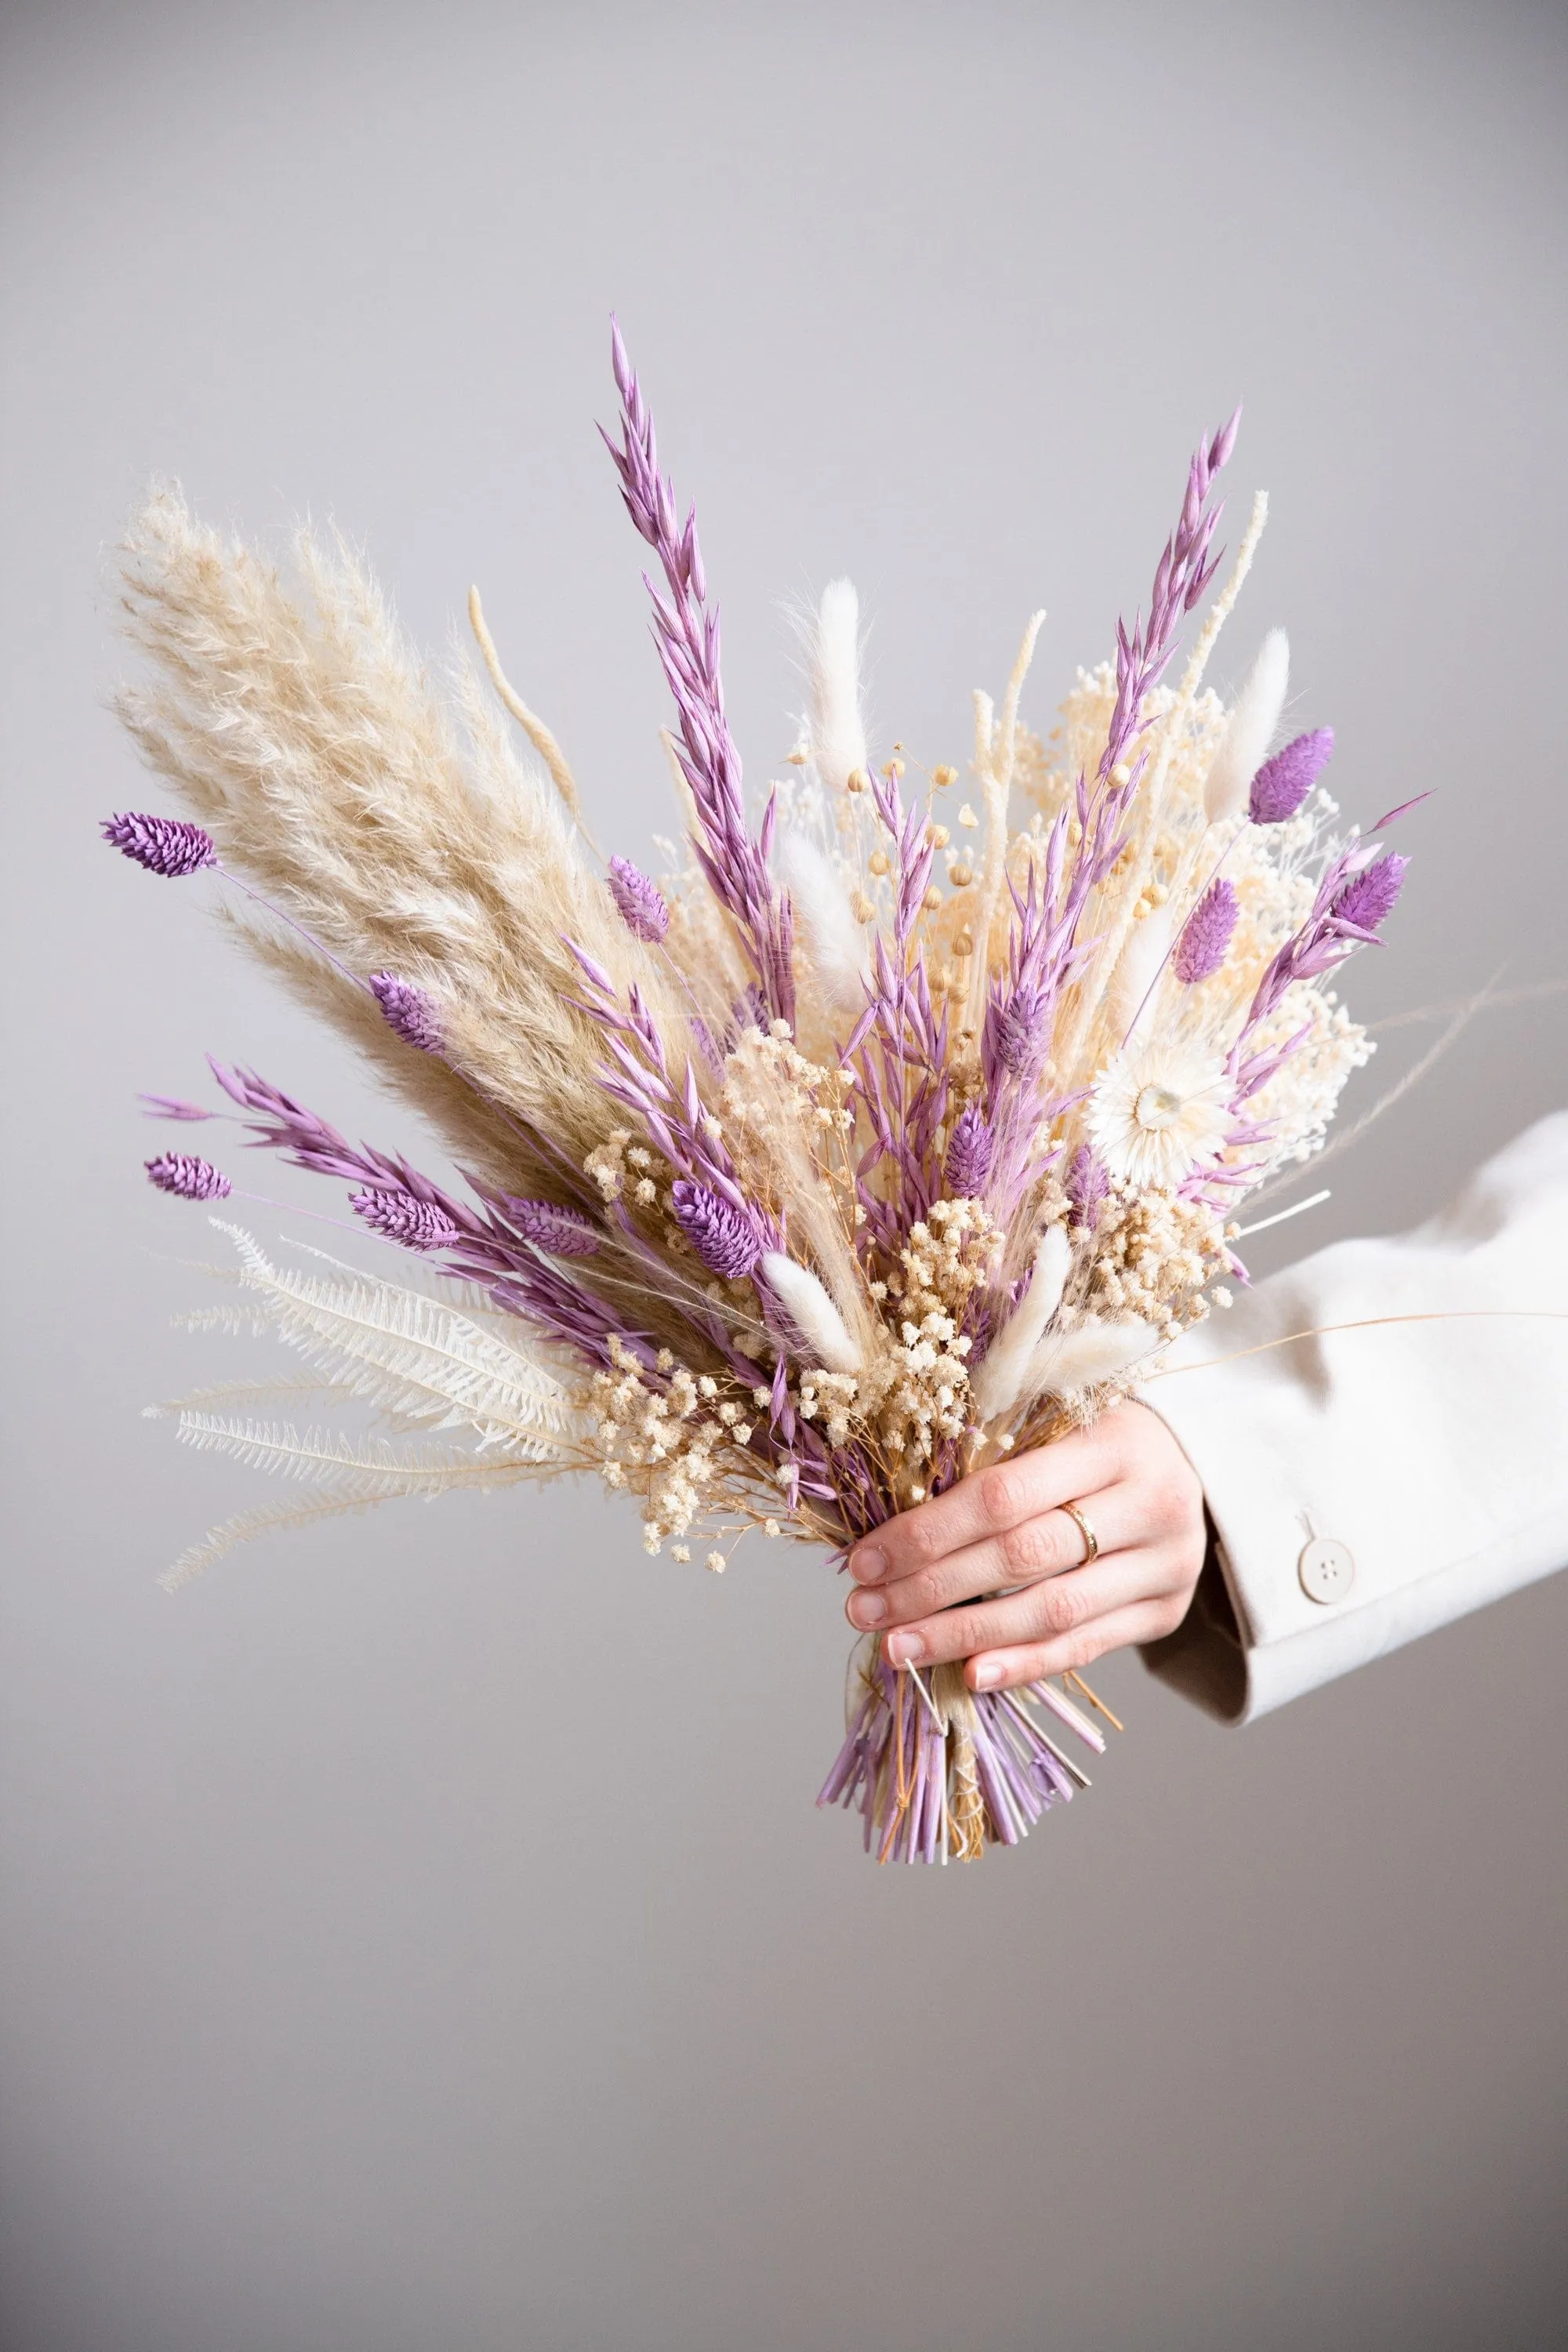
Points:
x=921, y=1580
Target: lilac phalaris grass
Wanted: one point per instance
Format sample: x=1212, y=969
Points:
x=410, y=1012
x=1206, y=934
x=1282, y=784
x=188, y=1176
x=969, y=1150
x=163, y=845
x=639, y=901
x=687, y=634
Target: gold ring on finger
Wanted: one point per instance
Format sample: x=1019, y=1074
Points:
x=1091, y=1540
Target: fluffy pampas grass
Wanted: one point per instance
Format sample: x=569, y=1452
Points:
x=296, y=725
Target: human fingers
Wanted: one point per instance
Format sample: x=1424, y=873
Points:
x=1008, y=1667
x=1050, y=1544
x=988, y=1502
x=1055, y=1609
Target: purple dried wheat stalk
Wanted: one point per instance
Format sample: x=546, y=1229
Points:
x=724, y=1237
x=687, y=634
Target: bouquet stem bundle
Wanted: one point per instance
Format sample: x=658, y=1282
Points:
x=866, y=1146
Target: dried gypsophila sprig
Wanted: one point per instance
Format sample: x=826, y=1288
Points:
x=880, y=1140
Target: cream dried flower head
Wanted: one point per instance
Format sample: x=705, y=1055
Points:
x=1158, y=1112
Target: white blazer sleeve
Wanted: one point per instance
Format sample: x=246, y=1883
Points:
x=1368, y=1485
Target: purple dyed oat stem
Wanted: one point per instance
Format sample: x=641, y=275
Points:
x=686, y=633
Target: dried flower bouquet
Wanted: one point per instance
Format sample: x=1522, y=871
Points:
x=860, y=1149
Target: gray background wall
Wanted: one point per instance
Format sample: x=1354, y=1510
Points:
x=420, y=1934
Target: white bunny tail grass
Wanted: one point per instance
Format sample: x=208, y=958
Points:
x=1069, y=1362
x=1245, y=745
x=1138, y=970
x=823, y=909
x=813, y=1312
x=837, y=729
x=1002, y=1377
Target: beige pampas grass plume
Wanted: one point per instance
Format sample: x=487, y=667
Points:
x=837, y=730
x=1002, y=1377
x=811, y=1311
x=296, y=725
x=1245, y=744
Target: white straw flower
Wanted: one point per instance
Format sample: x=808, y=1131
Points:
x=1157, y=1112
x=811, y=1311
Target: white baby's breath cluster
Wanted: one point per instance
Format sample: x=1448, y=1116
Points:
x=659, y=1442
x=1154, y=1257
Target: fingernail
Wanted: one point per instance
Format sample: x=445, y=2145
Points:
x=868, y=1565
x=867, y=1609
x=987, y=1674
x=904, y=1649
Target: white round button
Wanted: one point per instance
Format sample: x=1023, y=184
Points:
x=1326, y=1569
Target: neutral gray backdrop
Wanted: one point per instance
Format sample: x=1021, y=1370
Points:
x=420, y=1935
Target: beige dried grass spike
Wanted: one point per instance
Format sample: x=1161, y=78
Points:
x=995, y=748
x=532, y=726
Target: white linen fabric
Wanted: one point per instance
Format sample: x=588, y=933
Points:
x=1366, y=1485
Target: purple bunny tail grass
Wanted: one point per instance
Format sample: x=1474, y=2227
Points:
x=1088, y=1185
x=560, y=1233
x=400, y=1217
x=723, y=1236
x=1368, y=898
x=639, y=901
x=410, y=1013
x=163, y=845
x=188, y=1178
x=970, y=1148
x=1206, y=933
x=1282, y=784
